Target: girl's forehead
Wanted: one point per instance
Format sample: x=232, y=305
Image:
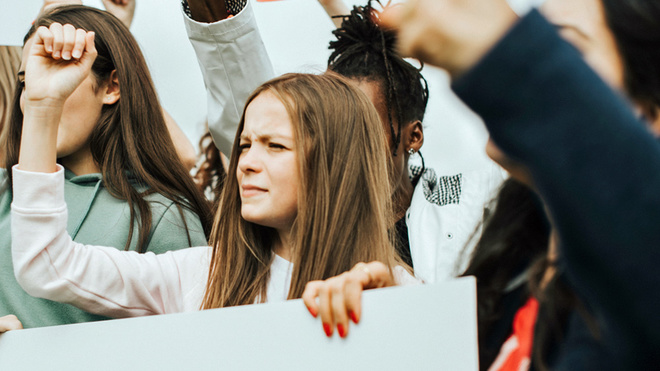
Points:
x=266, y=116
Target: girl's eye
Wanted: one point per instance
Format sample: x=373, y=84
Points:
x=243, y=147
x=276, y=146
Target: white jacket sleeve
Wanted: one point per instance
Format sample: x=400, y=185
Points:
x=97, y=279
x=234, y=63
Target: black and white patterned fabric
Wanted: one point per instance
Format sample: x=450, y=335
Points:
x=442, y=190
x=233, y=6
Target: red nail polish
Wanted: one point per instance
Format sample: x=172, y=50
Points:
x=353, y=316
x=327, y=329
x=312, y=312
x=341, y=330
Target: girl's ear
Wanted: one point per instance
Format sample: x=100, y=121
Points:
x=414, y=136
x=111, y=94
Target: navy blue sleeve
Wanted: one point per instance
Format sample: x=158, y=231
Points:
x=595, y=165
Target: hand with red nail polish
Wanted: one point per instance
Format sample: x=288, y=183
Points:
x=338, y=299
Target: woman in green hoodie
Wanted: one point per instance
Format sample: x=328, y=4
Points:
x=125, y=185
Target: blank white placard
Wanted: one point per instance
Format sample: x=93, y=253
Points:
x=425, y=327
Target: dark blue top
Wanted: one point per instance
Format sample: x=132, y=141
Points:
x=598, y=170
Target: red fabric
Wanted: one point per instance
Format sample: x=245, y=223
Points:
x=516, y=352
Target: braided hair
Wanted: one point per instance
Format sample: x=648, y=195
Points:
x=365, y=51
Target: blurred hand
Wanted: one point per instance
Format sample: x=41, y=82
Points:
x=10, y=322
x=122, y=9
x=339, y=297
x=451, y=34
x=59, y=59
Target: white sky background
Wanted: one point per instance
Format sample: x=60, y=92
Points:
x=296, y=34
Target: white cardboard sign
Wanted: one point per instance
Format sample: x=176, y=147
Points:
x=425, y=327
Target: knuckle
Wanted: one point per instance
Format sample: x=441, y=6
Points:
x=337, y=287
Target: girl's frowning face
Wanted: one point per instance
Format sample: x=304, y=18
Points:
x=267, y=171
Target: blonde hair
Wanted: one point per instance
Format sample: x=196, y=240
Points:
x=10, y=62
x=343, y=200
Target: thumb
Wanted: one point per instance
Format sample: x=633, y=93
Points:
x=90, y=53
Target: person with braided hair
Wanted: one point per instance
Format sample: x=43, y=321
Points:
x=436, y=215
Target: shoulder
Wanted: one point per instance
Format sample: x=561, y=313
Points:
x=172, y=225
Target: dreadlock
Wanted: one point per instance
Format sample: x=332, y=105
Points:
x=365, y=51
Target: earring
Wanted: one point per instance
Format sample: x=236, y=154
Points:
x=411, y=151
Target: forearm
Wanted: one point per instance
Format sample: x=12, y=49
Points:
x=207, y=11
x=38, y=150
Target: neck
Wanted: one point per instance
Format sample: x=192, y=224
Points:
x=80, y=163
x=403, y=196
x=282, y=246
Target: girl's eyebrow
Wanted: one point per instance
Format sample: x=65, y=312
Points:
x=266, y=136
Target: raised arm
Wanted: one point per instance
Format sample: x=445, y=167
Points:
x=234, y=62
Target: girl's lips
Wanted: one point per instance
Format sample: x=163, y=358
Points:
x=250, y=190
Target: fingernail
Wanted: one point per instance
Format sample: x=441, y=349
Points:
x=76, y=54
x=327, y=329
x=353, y=316
x=312, y=312
x=49, y=48
x=66, y=56
x=56, y=54
x=341, y=330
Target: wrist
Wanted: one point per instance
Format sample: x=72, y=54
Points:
x=44, y=111
x=43, y=104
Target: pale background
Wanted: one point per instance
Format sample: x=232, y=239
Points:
x=296, y=34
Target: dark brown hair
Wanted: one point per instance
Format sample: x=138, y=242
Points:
x=10, y=60
x=130, y=143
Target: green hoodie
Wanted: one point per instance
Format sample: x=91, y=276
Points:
x=95, y=218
